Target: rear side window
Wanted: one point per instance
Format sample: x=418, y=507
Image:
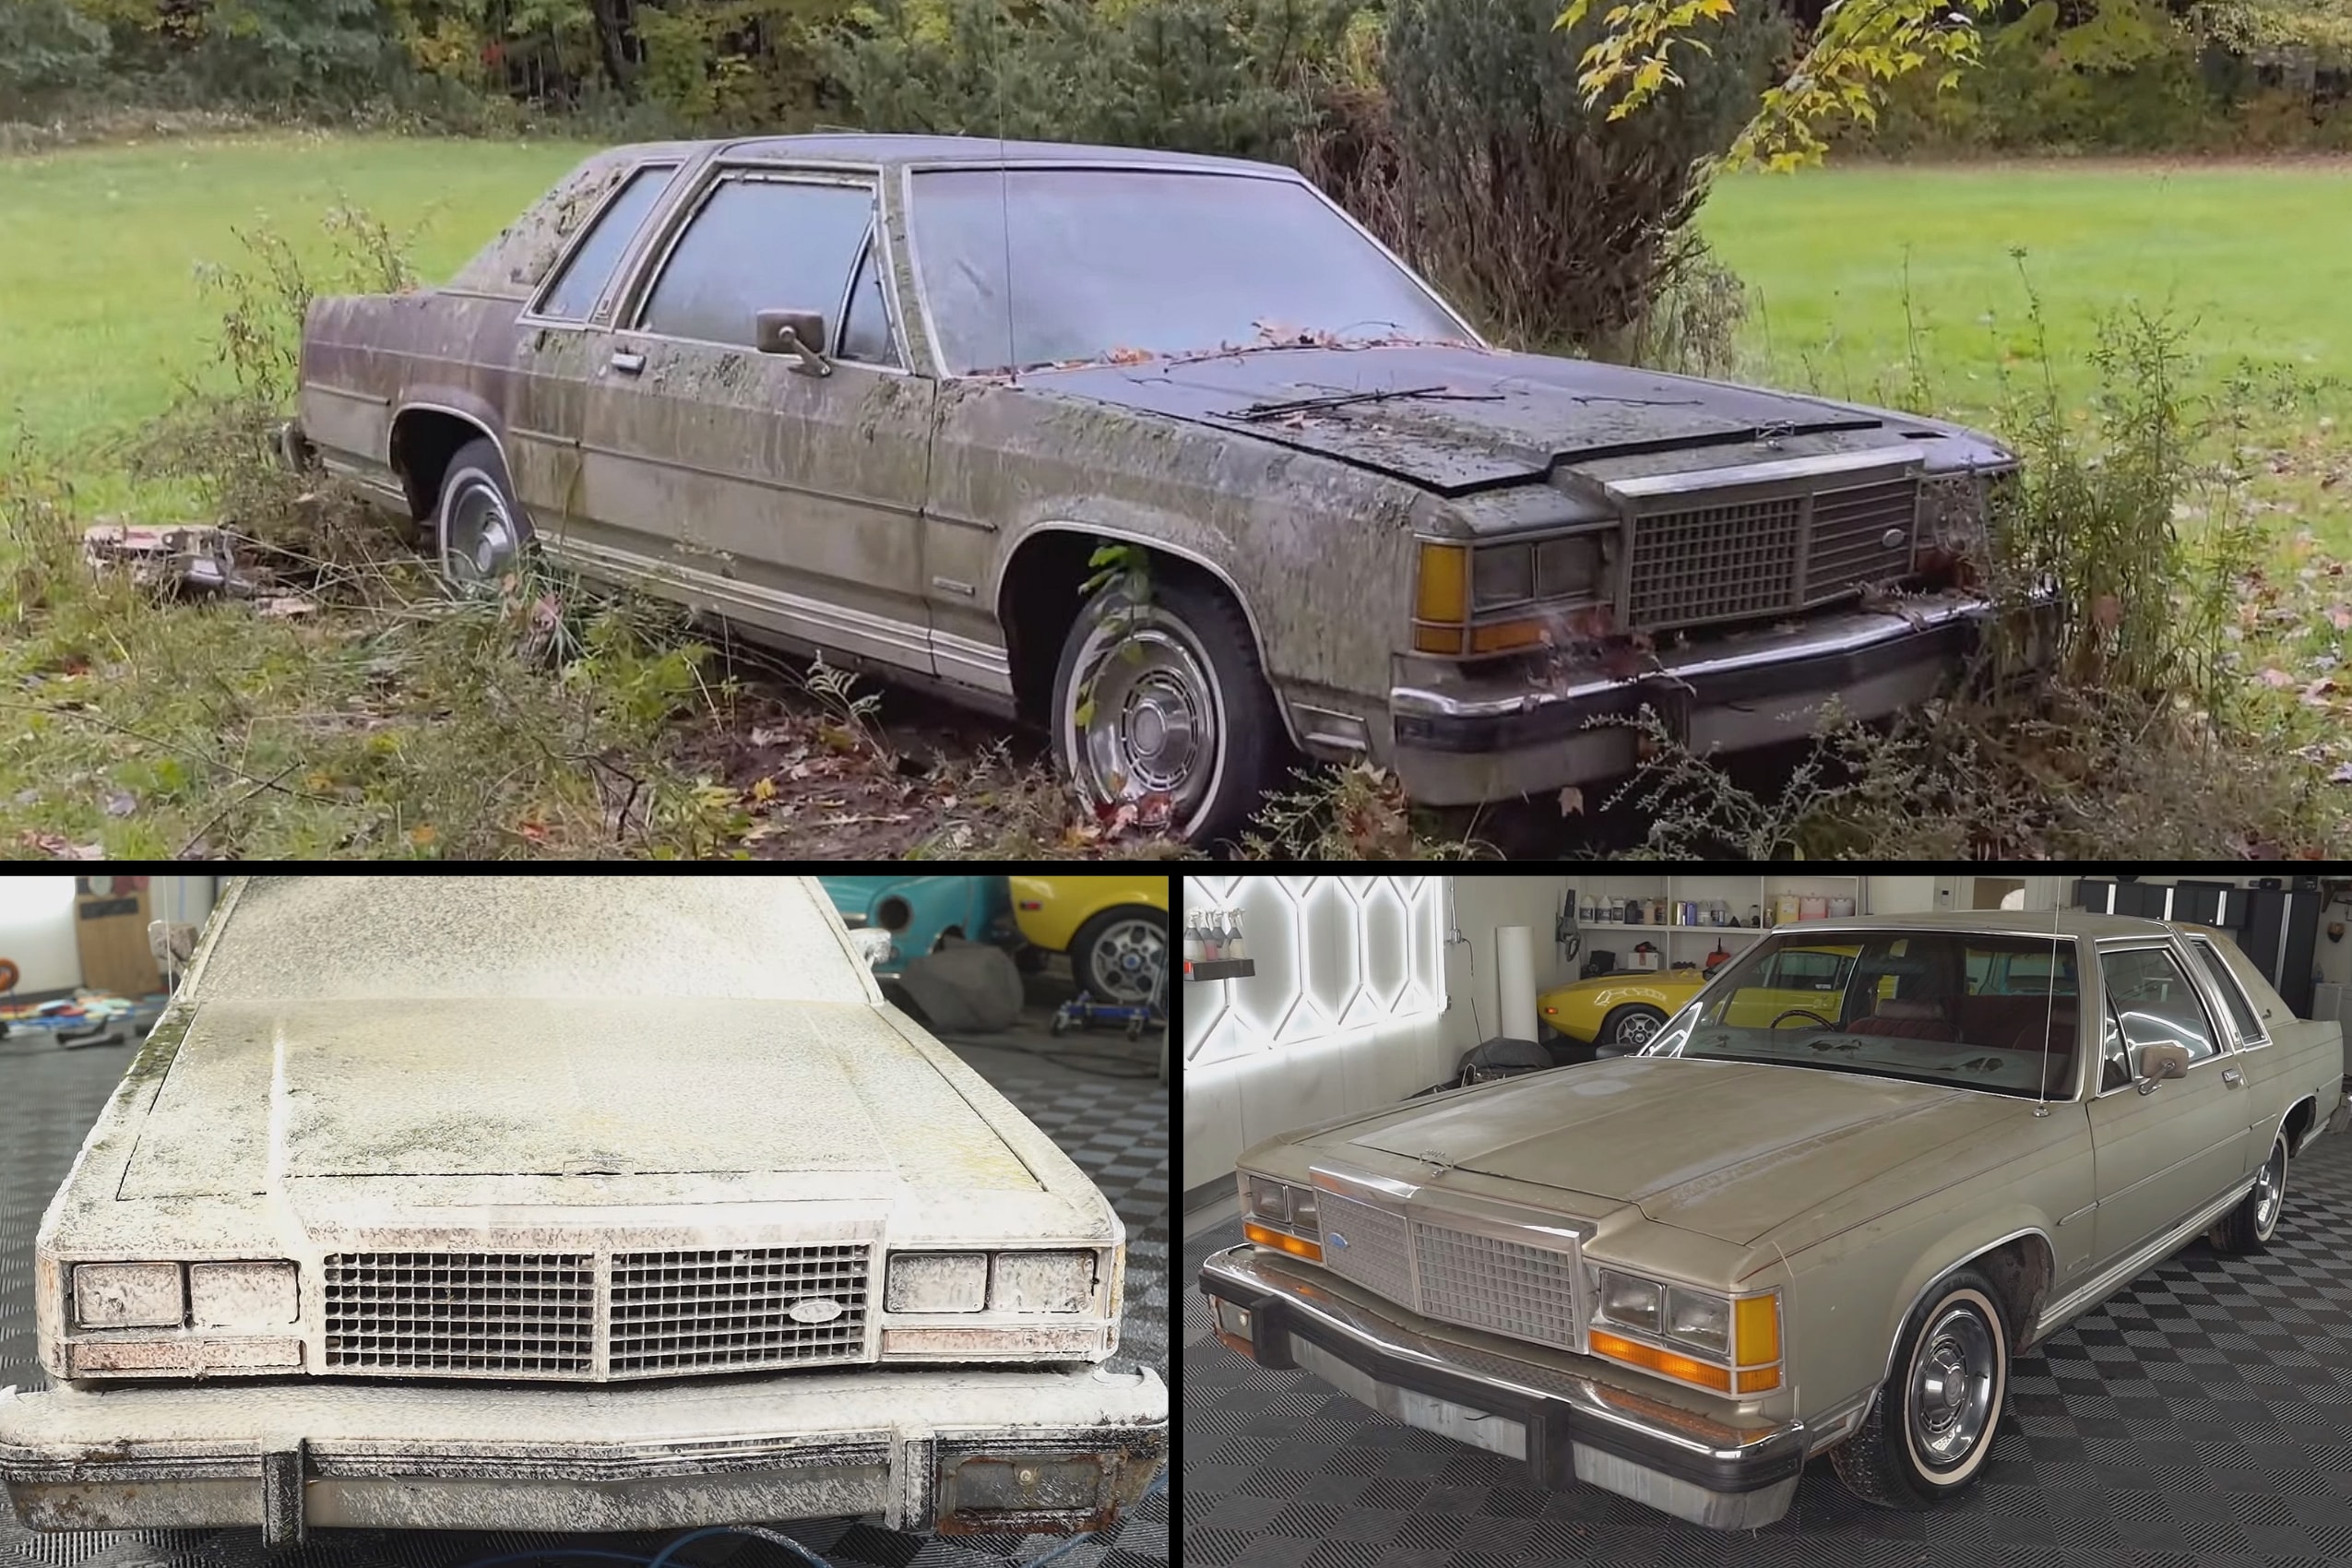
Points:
x=2154, y=1002
x=755, y=245
x=2233, y=995
x=574, y=293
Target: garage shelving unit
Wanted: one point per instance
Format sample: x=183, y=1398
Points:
x=1691, y=944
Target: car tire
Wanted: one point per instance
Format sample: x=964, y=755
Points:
x=1114, y=956
x=481, y=532
x=1197, y=668
x=1628, y=1029
x=1929, y=1431
x=2247, y=1229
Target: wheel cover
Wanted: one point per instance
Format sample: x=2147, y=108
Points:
x=1635, y=1029
x=2270, y=1190
x=1155, y=725
x=1951, y=1381
x=1124, y=958
x=478, y=543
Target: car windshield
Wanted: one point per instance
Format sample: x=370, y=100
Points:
x=400, y=938
x=1109, y=263
x=1993, y=1013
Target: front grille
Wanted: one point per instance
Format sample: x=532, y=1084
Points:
x=1453, y=1276
x=1740, y=559
x=462, y=1314
x=1493, y=1284
x=683, y=1312
x=1714, y=563
x=1850, y=530
x=1367, y=1246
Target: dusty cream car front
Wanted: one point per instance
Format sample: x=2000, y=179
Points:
x=686, y=1233
x=1678, y=1276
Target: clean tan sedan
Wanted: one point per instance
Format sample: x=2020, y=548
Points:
x=1678, y=1275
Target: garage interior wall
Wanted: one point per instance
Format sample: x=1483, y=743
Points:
x=37, y=925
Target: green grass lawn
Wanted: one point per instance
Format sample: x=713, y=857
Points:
x=98, y=260
x=2253, y=262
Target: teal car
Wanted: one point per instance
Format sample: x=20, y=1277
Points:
x=918, y=910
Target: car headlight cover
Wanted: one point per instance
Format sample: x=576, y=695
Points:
x=1629, y=1299
x=241, y=1295
x=1041, y=1282
x=1278, y=1214
x=1501, y=574
x=937, y=1282
x=1699, y=1320
x=127, y=1295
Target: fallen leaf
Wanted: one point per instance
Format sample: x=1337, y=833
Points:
x=2340, y=618
x=2343, y=774
x=1128, y=356
x=425, y=835
x=764, y=791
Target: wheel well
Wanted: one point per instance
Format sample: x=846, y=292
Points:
x=424, y=440
x=2020, y=1269
x=2299, y=1121
x=1040, y=598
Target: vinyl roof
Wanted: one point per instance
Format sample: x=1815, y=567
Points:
x=856, y=147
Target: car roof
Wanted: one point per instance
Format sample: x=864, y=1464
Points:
x=849, y=147
x=2014, y=923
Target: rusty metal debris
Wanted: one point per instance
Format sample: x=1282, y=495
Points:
x=193, y=561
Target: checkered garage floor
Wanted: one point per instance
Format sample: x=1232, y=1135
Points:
x=1116, y=1128
x=2202, y=1419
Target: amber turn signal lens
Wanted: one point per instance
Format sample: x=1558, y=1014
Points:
x=1756, y=1332
x=1508, y=634
x=1681, y=1368
x=1442, y=590
x=1763, y=1382
x=1280, y=1242
x=1437, y=639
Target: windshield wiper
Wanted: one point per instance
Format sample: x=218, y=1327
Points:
x=1342, y=399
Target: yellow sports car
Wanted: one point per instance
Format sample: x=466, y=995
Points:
x=1618, y=1013
x=1114, y=928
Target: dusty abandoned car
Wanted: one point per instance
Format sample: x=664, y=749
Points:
x=566, y=1203
x=1827, y=1226
x=885, y=397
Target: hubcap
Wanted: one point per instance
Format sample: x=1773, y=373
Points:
x=1124, y=960
x=1636, y=1029
x=1153, y=726
x=2270, y=1186
x=481, y=535
x=1952, y=1387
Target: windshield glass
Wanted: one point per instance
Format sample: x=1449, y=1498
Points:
x=404, y=938
x=1113, y=263
x=1994, y=1013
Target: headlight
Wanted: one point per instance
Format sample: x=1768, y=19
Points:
x=1041, y=1282
x=938, y=1282
x=1501, y=574
x=127, y=1295
x=1566, y=566
x=1277, y=1215
x=241, y=1295
x=1699, y=1320
x=1627, y=1300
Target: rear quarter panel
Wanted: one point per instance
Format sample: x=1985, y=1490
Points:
x=366, y=357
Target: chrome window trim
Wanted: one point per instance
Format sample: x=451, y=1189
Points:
x=530, y=316
x=628, y=315
x=870, y=251
x=2213, y=974
x=907, y=172
x=2168, y=946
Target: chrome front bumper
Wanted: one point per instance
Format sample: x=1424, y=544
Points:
x=956, y=1450
x=1467, y=740
x=1563, y=1426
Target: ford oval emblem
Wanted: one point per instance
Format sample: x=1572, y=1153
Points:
x=1338, y=1240
x=816, y=1309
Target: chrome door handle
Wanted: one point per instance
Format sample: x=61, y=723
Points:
x=628, y=363
x=2232, y=1077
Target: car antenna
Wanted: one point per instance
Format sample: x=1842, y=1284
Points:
x=1005, y=215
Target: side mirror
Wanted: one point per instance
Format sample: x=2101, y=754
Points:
x=2159, y=1062
x=798, y=332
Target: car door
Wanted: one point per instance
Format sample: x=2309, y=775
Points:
x=738, y=481
x=547, y=396
x=2161, y=1155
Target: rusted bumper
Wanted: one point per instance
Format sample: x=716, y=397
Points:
x=1463, y=739
x=1056, y=1449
